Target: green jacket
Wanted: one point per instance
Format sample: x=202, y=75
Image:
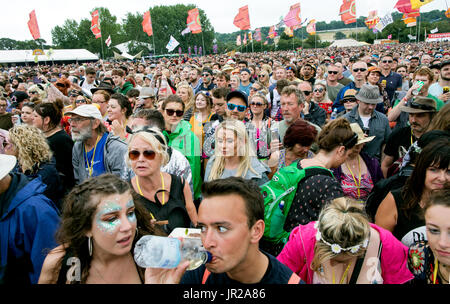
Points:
x=126, y=87
x=185, y=141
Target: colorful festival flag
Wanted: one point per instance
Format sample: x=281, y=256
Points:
x=408, y=20
x=447, y=13
x=33, y=26
x=147, y=23
x=238, y=40
x=311, y=27
x=258, y=34
x=186, y=31
x=384, y=21
x=173, y=43
x=95, y=24
x=244, y=42
x=193, y=21
x=434, y=31
x=389, y=37
x=242, y=19
x=108, y=41
x=293, y=18
x=415, y=4
x=272, y=32
x=289, y=32
x=372, y=19
x=404, y=6
x=347, y=11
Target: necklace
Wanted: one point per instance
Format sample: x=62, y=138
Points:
x=163, y=188
x=357, y=183
x=91, y=166
x=343, y=276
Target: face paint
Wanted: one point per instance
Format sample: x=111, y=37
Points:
x=131, y=215
x=110, y=224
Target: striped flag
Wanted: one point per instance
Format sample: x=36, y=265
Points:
x=108, y=41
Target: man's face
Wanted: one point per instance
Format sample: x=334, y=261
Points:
x=366, y=109
x=245, y=76
x=219, y=106
x=185, y=74
x=426, y=83
x=413, y=63
x=3, y=106
x=225, y=233
x=280, y=73
x=290, y=108
x=100, y=100
x=234, y=103
x=90, y=78
x=241, y=66
x=141, y=69
x=359, y=71
x=206, y=78
x=81, y=127
x=333, y=72
x=306, y=70
x=290, y=74
x=426, y=59
x=386, y=63
x=419, y=121
x=445, y=72
x=193, y=75
x=118, y=80
x=306, y=88
x=221, y=82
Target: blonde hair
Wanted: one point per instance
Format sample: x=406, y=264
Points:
x=245, y=150
x=149, y=135
x=343, y=222
x=31, y=145
x=191, y=101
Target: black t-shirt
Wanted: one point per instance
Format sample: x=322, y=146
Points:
x=61, y=144
x=276, y=273
x=399, y=142
x=406, y=223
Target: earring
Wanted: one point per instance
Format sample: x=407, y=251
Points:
x=137, y=231
x=90, y=245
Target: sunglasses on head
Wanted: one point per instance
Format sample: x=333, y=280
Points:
x=178, y=113
x=333, y=72
x=351, y=142
x=232, y=106
x=359, y=70
x=148, y=154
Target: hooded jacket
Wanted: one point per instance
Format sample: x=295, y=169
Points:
x=28, y=222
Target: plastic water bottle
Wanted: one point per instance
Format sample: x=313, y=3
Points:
x=165, y=252
x=334, y=114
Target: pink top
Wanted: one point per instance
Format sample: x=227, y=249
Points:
x=298, y=254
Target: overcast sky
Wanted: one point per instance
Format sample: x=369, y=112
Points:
x=14, y=14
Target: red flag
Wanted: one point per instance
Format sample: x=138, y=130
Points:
x=242, y=19
x=147, y=23
x=272, y=32
x=33, y=26
x=95, y=25
x=293, y=17
x=404, y=6
x=193, y=21
x=348, y=11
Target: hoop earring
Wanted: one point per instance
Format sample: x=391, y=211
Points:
x=90, y=245
x=137, y=232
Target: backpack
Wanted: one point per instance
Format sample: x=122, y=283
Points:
x=278, y=195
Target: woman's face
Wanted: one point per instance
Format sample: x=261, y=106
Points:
x=184, y=94
x=114, y=225
x=356, y=150
x=373, y=78
x=38, y=121
x=349, y=105
x=234, y=82
x=438, y=232
x=201, y=102
x=115, y=112
x=402, y=71
x=436, y=178
x=319, y=71
x=142, y=165
x=300, y=151
x=27, y=115
x=79, y=101
x=257, y=105
x=318, y=93
x=226, y=143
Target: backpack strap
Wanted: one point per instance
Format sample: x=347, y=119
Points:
x=205, y=276
x=357, y=269
x=311, y=171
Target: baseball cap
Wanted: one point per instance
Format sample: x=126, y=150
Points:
x=89, y=110
x=7, y=163
x=238, y=94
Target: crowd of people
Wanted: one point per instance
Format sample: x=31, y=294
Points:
x=95, y=155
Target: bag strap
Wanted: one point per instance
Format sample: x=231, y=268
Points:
x=357, y=269
x=205, y=276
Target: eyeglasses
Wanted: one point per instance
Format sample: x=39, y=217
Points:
x=306, y=93
x=333, y=72
x=33, y=92
x=232, y=106
x=3, y=105
x=254, y=89
x=171, y=112
x=387, y=61
x=359, y=70
x=148, y=154
x=77, y=119
x=320, y=90
x=257, y=104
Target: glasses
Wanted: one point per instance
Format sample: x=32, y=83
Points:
x=306, y=93
x=77, y=119
x=257, y=104
x=148, y=154
x=171, y=112
x=262, y=75
x=206, y=75
x=33, y=92
x=359, y=70
x=3, y=105
x=333, y=72
x=232, y=106
x=387, y=61
x=80, y=101
x=254, y=89
x=320, y=90
x=349, y=100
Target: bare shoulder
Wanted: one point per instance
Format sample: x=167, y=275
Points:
x=48, y=273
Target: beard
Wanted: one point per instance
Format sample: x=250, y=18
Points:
x=445, y=78
x=84, y=135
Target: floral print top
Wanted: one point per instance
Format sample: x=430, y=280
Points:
x=421, y=263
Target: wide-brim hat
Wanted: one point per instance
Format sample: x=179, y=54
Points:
x=369, y=94
x=362, y=138
x=89, y=111
x=7, y=163
x=420, y=105
x=146, y=92
x=103, y=86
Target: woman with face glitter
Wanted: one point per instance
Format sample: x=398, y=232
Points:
x=99, y=227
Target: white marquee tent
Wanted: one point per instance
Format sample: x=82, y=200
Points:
x=347, y=43
x=26, y=56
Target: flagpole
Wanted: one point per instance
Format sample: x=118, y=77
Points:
x=203, y=43
x=154, y=46
x=101, y=42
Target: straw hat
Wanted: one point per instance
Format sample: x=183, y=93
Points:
x=362, y=138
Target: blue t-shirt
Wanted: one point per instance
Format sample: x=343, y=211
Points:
x=98, y=164
x=276, y=273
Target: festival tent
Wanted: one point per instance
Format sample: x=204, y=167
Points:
x=347, y=43
x=26, y=56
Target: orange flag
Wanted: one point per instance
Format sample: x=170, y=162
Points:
x=147, y=23
x=95, y=25
x=193, y=21
x=33, y=26
x=347, y=11
x=242, y=19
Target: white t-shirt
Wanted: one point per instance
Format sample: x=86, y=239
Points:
x=365, y=121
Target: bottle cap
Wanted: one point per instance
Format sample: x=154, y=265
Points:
x=209, y=257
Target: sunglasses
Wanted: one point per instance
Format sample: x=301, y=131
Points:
x=320, y=90
x=333, y=72
x=254, y=89
x=387, y=61
x=80, y=101
x=262, y=75
x=206, y=75
x=33, y=92
x=258, y=104
x=232, y=106
x=306, y=93
x=148, y=154
x=359, y=70
x=178, y=113
x=349, y=100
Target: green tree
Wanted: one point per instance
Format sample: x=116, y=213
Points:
x=339, y=36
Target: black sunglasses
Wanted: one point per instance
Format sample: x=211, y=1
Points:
x=387, y=61
x=178, y=113
x=232, y=106
x=33, y=92
x=359, y=70
x=306, y=93
x=320, y=90
x=148, y=154
x=258, y=104
x=348, y=100
x=350, y=143
x=333, y=72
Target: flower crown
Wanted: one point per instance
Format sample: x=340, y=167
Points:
x=336, y=248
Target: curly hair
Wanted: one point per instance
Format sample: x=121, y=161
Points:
x=31, y=145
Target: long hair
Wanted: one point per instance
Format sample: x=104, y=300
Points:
x=191, y=101
x=244, y=150
x=78, y=213
x=436, y=154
